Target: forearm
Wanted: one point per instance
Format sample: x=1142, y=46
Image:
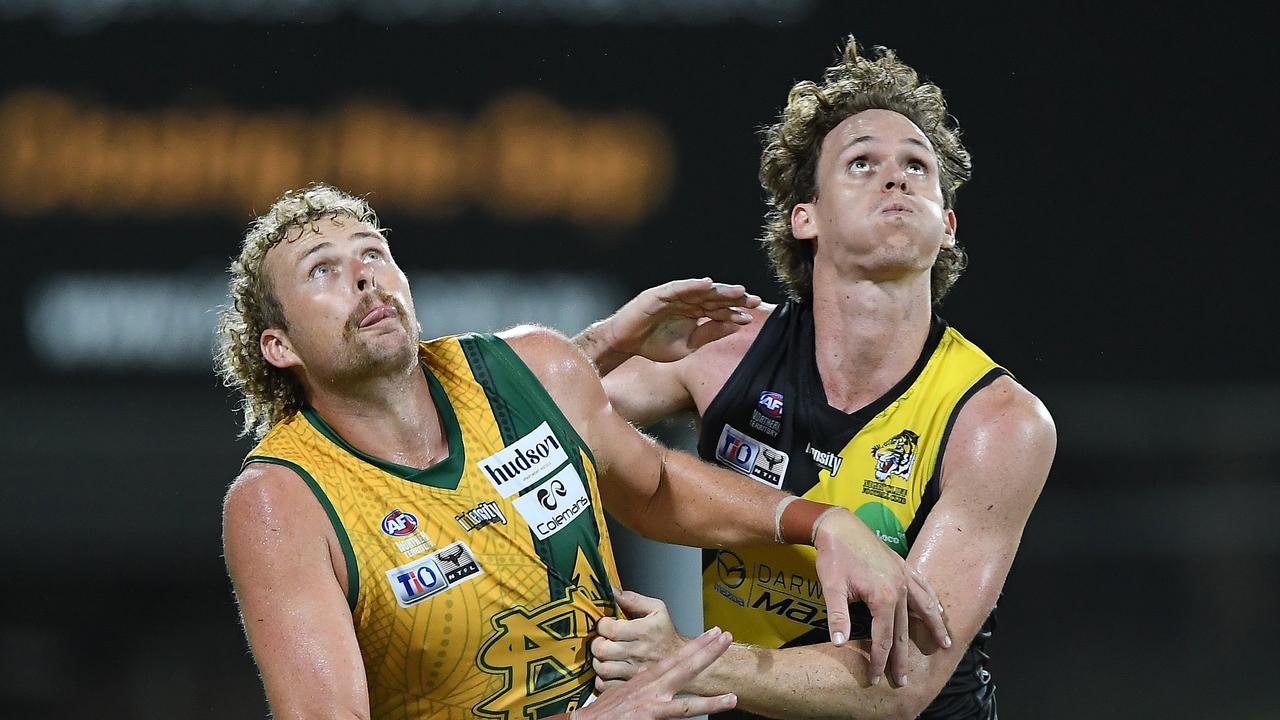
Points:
x=821, y=681
x=701, y=505
x=596, y=342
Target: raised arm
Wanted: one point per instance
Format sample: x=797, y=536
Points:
x=667, y=322
x=995, y=466
x=674, y=497
x=288, y=574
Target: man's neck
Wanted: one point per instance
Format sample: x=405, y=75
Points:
x=868, y=335
x=389, y=417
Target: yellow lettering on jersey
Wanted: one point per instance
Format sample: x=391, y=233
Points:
x=543, y=656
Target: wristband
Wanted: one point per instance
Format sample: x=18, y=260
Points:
x=798, y=521
x=777, y=516
x=813, y=537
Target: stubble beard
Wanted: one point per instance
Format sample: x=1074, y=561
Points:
x=364, y=357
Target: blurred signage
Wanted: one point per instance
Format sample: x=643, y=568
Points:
x=78, y=14
x=524, y=157
x=165, y=322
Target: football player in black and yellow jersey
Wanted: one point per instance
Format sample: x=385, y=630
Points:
x=419, y=532
x=854, y=392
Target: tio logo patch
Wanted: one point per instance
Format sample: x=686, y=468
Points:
x=416, y=581
x=751, y=457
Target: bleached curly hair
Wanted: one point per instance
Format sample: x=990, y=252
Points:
x=788, y=166
x=270, y=394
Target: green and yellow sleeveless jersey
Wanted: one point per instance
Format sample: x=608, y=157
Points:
x=475, y=585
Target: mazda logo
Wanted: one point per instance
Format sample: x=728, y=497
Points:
x=731, y=570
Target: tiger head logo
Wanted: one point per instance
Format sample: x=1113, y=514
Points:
x=896, y=455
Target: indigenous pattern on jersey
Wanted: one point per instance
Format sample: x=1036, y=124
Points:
x=475, y=584
x=771, y=422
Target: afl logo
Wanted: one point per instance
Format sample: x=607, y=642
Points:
x=770, y=403
x=399, y=524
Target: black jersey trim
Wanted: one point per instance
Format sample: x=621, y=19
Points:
x=933, y=488
x=851, y=423
x=766, y=342
x=348, y=553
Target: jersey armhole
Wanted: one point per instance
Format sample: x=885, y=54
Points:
x=716, y=410
x=344, y=541
x=933, y=488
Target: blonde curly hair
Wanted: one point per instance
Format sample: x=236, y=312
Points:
x=270, y=394
x=788, y=166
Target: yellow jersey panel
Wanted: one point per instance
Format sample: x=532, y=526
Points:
x=885, y=470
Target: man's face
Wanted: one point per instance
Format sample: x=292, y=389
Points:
x=879, y=209
x=346, y=302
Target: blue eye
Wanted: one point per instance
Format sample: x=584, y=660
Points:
x=319, y=271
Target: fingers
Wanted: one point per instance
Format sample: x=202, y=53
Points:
x=901, y=641
x=702, y=293
x=603, y=685
x=636, y=605
x=924, y=604
x=837, y=612
x=608, y=670
x=882, y=618
x=697, y=655
x=605, y=649
x=692, y=705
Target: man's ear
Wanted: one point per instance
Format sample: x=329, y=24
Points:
x=804, y=221
x=949, y=230
x=277, y=349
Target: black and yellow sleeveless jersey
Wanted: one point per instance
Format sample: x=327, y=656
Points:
x=771, y=422
x=475, y=585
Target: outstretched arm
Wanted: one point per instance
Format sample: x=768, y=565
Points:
x=995, y=466
x=674, y=497
x=667, y=322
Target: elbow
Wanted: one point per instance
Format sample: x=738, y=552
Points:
x=909, y=702
x=902, y=704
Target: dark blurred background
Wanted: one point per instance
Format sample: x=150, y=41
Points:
x=545, y=160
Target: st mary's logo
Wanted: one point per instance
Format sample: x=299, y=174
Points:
x=896, y=455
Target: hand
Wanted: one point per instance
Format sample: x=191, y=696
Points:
x=651, y=692
x=625, y=647
x=667, y=322
x=853, y=564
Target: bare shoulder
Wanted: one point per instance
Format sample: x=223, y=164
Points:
x=735, y=344
x=1004, y=426
x=263, y=488
x=705, y=371
x=550, y=355
x=268, y=504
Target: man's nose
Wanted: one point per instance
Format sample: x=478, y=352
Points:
x=897, y=179
x=366, y=279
